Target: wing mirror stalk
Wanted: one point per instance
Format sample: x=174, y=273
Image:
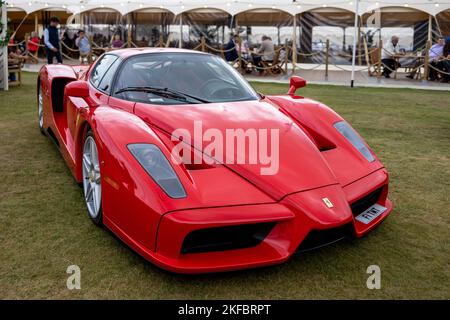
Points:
x=296, y=82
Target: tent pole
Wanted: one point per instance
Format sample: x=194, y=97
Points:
x=294, y=45
x=129, y=31
x=4, y=50
x=430, y=28
x=180, y=45
x=438, y=26
x=20, y=24
x=356, y=35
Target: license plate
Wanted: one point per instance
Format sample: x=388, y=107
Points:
x=368, y=215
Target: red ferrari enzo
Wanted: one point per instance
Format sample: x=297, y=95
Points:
x=134, y=129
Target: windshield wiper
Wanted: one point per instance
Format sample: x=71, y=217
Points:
x=164, y=92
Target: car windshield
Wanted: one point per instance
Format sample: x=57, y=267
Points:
x=181, y=78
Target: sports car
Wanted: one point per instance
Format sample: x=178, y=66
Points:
x=197, y=172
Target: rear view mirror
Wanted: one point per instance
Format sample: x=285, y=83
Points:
x=296, y=83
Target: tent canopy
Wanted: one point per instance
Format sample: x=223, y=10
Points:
x=233, y=7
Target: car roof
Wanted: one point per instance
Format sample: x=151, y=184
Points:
x=128, y=52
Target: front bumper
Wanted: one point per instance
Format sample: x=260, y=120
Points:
x=295, y=216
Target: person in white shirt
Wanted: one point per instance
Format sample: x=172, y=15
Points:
x=436, y=53
x=390, y=50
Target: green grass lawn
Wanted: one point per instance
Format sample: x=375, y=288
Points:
x=44, y=226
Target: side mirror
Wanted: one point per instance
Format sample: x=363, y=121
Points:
x=79, y=89
x=296, y=83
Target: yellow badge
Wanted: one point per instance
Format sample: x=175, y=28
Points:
x=327, y=202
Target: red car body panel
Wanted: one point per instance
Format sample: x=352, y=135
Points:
x=316, y=162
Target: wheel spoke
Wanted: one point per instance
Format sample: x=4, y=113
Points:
x=94, y=199
x=87, y=162
x=97, y=197
x=93, y=153
x=89, y=192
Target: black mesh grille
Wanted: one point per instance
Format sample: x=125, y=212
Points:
x=319, y=238
x=226, y=238
x=366, y=202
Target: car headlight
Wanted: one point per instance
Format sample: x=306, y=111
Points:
x=350, y=134
x=158, y=167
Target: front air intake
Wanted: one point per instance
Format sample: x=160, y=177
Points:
x=226, y=238
x=319, y=238
x=366, y=202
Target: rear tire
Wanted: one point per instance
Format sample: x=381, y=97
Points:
x=92, y=188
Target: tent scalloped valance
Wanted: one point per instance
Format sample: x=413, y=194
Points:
x=233, y=7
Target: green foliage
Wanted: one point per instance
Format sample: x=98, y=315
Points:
x=3, y=40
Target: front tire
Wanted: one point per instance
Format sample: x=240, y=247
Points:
x=40, y=109
x=92, y=179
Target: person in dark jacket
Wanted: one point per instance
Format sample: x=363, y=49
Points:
x=51, y=40
x=231, y=53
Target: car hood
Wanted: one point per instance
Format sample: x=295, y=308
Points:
x=300, y=166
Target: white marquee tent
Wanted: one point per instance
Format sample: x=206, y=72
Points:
x=232, y=7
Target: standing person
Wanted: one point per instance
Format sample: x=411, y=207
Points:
x=82, y=42
x=51, y=41
x=388, y=56
x=231, y=48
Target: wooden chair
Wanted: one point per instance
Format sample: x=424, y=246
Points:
x=415, y=64
x=15, y=67
x=275, y=66
x=34, y=56
x=374, y=62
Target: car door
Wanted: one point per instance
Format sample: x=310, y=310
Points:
x=100, y=80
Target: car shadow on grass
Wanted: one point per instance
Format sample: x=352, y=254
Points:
x=306, y=261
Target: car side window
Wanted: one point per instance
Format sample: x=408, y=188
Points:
x=100, y=69
x=106, y=82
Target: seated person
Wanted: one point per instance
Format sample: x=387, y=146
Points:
x=33, y=44
x=266, y=52
x=390, y=50
x=15, y=58
x=15, y=53
x=444, y=63
x=116, y=42
x=244, y=49
x=435, y=54
x=142, y=43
